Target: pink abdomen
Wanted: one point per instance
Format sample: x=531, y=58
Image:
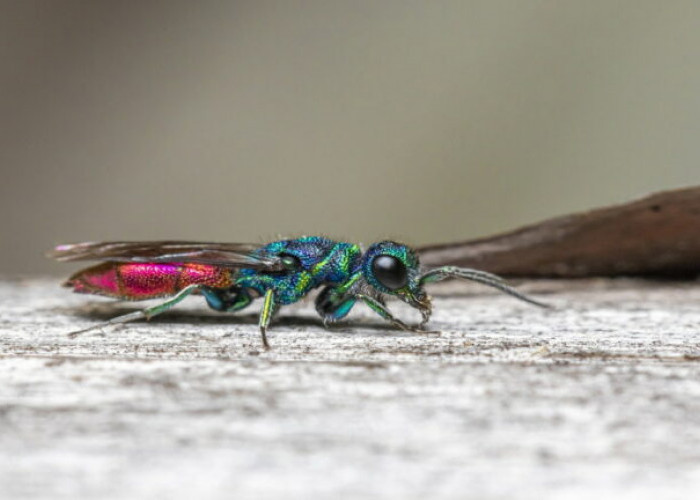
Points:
x=140, y=281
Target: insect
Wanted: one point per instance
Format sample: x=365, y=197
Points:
x=231, y=275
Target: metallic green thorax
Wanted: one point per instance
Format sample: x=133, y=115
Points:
x=319, y=261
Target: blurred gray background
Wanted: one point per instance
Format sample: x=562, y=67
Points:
x=422, y=121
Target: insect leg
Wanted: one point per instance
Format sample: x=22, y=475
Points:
x=333, y=305
x=377, y=307
x=268, y=310
x=147, y=313
x=442, y=273
x=227, y=300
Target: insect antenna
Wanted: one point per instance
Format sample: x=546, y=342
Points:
x=482, y=277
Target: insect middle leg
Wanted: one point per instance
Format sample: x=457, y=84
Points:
x=147, y=313
x=270, y=306
x=237, y=298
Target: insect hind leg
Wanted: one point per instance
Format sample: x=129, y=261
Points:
x=147, y=313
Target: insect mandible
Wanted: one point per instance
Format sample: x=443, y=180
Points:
x=231, y=275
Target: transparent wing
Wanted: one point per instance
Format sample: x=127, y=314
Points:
x=217, y=254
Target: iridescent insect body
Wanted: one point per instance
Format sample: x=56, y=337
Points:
x=231, y=275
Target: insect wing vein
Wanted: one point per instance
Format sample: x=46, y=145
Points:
x=233, y=255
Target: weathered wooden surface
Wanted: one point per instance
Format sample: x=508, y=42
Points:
x=600, y=397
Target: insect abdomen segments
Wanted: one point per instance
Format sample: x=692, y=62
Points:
x=141, y=281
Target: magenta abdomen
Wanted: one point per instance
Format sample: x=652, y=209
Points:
x=140, y=281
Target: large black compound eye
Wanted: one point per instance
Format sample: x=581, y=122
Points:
x=390, y=272
x=290, y=262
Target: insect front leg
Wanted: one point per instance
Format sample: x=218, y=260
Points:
x=380, y=309
x=147, y=313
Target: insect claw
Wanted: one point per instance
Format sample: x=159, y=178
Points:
x=73, y=335
x=265, y=343
x=422, y=331
x=436, y=333
x=426, y=313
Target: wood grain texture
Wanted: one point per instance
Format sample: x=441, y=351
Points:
x=658, y=235
x=599, y=397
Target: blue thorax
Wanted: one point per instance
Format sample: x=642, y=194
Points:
x=321, y=261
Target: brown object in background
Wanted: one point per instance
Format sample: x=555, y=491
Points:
x=656, y=236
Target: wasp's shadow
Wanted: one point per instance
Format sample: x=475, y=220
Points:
x=105, y=312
